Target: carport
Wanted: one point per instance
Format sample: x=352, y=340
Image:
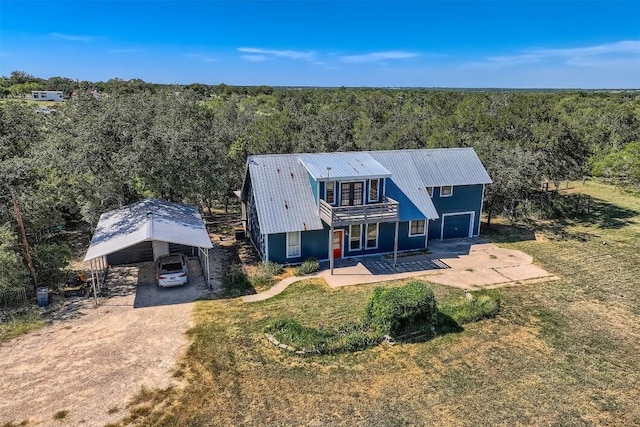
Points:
x=144, y=231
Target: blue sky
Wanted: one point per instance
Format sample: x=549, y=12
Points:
x=455, y=43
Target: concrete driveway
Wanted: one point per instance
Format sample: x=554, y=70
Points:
x=463, y=263
x=148, y=294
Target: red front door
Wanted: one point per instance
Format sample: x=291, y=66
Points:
x=337, y=244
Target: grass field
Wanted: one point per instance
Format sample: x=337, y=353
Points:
x=559, y=353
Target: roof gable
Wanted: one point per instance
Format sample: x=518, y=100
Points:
x=146, y=220
x=283, y=197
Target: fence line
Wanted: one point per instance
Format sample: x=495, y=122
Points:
x=13, y=297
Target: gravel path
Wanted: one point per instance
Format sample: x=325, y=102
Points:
x=93, y=362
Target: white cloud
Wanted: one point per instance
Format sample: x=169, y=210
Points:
x=71, y=37
x=258, y=54
x=255, y=58
x=200, y=57
x=378, y=56
x=629, y=49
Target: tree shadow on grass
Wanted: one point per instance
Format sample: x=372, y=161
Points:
x=445, y=325
x=507, y=233
x=606, y=215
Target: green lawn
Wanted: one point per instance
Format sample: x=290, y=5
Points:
x=560, y=353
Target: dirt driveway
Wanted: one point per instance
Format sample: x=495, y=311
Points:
x=92, y=364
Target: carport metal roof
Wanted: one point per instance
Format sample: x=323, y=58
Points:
x=148, y=220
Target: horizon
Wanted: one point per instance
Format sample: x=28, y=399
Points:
x=490, y=45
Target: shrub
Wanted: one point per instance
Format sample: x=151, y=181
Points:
x=395, y=311
x=235, y=280
x=50, y=262
x=310, y=265
x=345, y=338
x=480, y=305
x=271, y=269
x=264, y=275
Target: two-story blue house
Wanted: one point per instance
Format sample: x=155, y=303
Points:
x=335, y=205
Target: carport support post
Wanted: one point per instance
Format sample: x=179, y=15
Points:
x=94, y=278
x=395, y=244
x=331, y=249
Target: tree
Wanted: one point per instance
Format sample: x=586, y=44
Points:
x=515, y=173
x=622, y=166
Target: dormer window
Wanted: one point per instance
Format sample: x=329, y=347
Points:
x=330, y=192
x=430, y=191
x=446, y=191
x=374, y=190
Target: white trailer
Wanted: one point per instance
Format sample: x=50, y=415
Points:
x=47, y=95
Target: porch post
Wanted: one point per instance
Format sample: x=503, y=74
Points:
x=426, y=233
x=331, y=249
x=266, y=248
x=395, y=244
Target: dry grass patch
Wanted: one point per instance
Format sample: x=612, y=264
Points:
x=559, y=353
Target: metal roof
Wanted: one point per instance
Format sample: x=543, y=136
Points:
x=147, y=220
x=406, y=186
x=284, y=197
x=341, y=166
x=440, y=166
x=282, y=192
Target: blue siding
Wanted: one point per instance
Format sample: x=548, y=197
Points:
x=406, y=242
x=313, y=244
x=253, y=226
x=465, y=198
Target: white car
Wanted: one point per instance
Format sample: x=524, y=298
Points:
x=172, y=270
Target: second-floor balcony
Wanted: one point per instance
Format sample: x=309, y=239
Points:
x=385, y=211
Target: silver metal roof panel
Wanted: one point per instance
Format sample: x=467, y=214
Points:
x=342, y=166
x=146, y=220
x=283, y=197
x=406, y=187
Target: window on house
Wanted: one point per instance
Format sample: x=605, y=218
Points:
x=374, y=190
x=416, y=228
x=372, y=236
x=446, y=191
x=430, y=191
x=355, y=237
x=293, y=244
x=330, y=192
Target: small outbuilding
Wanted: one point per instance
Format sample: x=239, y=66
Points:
x=146, y=230
x=47, y=95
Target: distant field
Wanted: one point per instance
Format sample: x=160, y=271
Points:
x=560, y=353
x=30, y=101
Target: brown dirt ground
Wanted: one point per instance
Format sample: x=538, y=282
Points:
x=91, y=364
x=92, y=361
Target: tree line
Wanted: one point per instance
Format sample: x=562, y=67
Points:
x=190, y=143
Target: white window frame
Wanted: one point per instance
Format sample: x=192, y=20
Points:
x=359, y=248
x=332, y=202
x=429, y=191
x=366, y=239
x=446, y=195
x=424, y=228
x=289, y=253
x=363, y=200
x=377, y=199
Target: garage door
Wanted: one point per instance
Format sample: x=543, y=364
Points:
x=456, y=226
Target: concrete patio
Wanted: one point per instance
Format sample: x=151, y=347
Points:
x=462, y=263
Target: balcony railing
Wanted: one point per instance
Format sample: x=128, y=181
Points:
x=384, y=211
